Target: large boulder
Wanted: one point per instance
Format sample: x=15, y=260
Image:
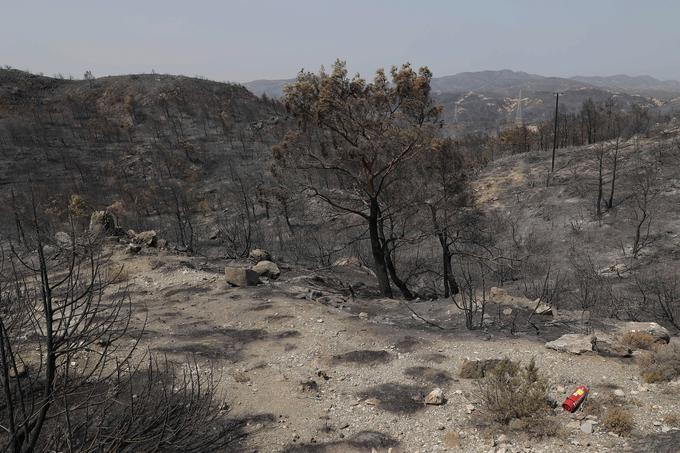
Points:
x=267, y=269
x=659, y=333
x=608, y=346
x=257, y=255
x=572, y=343
x=148, y=238
x=240, y=276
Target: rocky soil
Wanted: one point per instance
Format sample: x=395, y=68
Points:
x=317, y=370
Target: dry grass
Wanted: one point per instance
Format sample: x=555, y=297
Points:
x=513, y=391
x=638, y=340
x=672, y=420
x=618, y=420
x=477, y=369
x=662, y=364
x=117, y=275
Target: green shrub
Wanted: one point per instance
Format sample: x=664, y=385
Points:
x=513, y=391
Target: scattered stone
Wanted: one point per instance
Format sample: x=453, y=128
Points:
x=372, y=401
x=572, y=343
x=258, y=255
x=560, y=389
x=619, y=392
x=507, y=311
x=239, y=276
x=363, y=315
x=451, y=439
x=267, y=269
x=435, y=397
x=588, y=426
x=469, y=408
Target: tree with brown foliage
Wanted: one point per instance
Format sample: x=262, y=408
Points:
x=352, y=139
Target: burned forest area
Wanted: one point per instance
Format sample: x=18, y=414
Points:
x=397, y=263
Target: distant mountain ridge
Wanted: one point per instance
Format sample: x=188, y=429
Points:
x=508, y=82
x=643, y=84
x=487, y=100
x=270, y=88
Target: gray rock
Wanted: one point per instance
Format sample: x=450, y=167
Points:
x=240, y=276
x=572, y=343
x=609, y=347
x=267, y=269
x=588, y=426
x=659, y=333
x=148, y=238
x=63, y=239
x=258, y=255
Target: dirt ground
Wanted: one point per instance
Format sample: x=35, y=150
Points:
x=320, y=372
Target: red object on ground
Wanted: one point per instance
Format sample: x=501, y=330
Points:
x=574, y=400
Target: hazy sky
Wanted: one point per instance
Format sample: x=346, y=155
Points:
x=242, y=40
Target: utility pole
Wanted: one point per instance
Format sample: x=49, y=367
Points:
x=557, y=103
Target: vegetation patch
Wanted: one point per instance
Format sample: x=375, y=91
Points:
x=662, y=364
x=512, y=390
x=477, y=369
x=638, y=340
x=618, y=420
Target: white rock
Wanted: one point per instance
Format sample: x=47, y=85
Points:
x=619, y=392
x=572, y=343
x=587, y=426
x=267, y=269
x=435, y=397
